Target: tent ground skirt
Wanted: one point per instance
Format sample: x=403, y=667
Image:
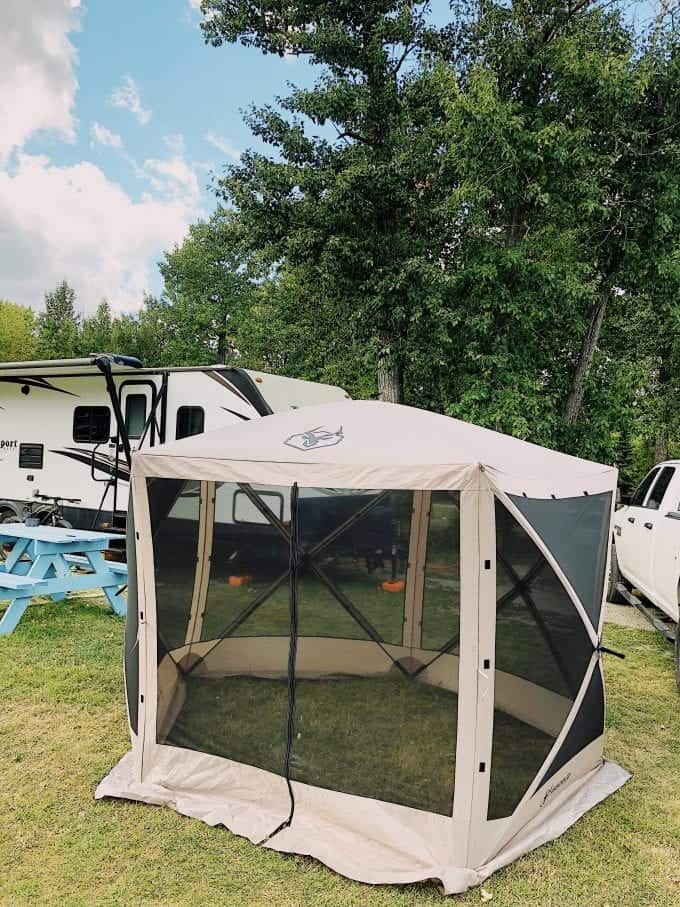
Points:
x=391, y=845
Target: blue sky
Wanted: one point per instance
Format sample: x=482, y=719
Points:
x=113, y=113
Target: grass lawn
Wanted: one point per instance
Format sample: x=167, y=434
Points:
x=62, y=727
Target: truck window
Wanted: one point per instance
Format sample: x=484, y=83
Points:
x=91, y=424
x=135, y=415
x=643, y=488
x=660, y=486
x=190, y=421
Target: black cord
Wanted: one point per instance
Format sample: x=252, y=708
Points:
x=292, y=656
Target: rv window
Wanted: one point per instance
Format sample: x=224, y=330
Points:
x=190, y=421
x=135, y=415
x=91, y=424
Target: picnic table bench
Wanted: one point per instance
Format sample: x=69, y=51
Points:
x=41, y=561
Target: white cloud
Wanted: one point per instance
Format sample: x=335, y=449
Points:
x=224, y=146
x=195, y=4
x=100, y=135
x=174, y=143
x=37, y=80
x=74, y=222
x=173, y=178
x=126, y=96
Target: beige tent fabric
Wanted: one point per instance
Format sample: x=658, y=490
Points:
x=413, y=448
x=369, y=445
x=372, y=842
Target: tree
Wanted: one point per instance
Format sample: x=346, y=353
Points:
x=96, y=331
x=353, y=211
x=17, y=339
x=58, y=325
x=207, y=294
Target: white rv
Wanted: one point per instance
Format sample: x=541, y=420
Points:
x=67, y=427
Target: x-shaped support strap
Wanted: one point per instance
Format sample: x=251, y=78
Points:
x=307, y=558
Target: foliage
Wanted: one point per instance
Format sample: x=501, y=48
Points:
x=95, y=335
x=58, y=325
x=462, y=204
x=207, y=297
x=17, y=324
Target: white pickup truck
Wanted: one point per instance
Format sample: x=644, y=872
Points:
x=647, y=543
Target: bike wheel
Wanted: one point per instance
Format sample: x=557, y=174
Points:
x=62, y=523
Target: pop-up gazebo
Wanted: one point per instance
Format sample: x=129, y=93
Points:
x=370, y=634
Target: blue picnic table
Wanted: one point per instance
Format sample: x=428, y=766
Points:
x=42, y=562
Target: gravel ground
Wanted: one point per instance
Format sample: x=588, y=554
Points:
x=626, y=616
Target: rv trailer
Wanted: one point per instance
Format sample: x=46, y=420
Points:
x=68, y=427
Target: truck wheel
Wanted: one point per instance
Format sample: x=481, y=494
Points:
x=613, y=594
x=677, y=656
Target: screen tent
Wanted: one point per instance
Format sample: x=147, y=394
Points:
x=370, y=634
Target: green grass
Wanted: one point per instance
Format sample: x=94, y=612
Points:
x=385, y=737
x=62, y=727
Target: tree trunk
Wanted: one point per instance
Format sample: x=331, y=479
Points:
x=389, y=377
x=661, y=446
x=572, y=407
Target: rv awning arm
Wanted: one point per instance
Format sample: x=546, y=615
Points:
x=103, y=361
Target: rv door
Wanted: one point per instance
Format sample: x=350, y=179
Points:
x=137, y=402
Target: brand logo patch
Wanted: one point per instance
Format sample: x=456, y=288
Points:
x=315, y=437
x=555, y=787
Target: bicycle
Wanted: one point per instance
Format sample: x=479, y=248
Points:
x=42, y=513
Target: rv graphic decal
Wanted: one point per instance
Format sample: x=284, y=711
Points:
x=104, y=462
x=36, y=382
x=234, y=413
x=315, y=437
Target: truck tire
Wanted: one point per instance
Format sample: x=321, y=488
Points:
x=613, y=594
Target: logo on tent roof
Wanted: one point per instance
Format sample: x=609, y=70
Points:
x=315, y=437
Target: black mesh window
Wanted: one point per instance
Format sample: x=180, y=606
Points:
x=366, y=722
x=297, y=662
x=542, y=653
x=174, y=506
x=576, y=532
x=236, y=686
x=441, y=596
x=131, y=627
x=587, y=726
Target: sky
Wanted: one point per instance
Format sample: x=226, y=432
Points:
x=113, y=118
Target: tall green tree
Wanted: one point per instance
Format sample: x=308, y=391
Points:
x=17, y=337
x=207, y=294
x=95, y=333
x=351, y=204
x=59, y=324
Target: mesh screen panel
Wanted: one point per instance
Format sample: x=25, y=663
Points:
x=576, y=532
x=441, y=595
x=249, y=556
x=174, y=507
x=542, y=643
x=131, y=645
x=368, y=728
x=362, y=723
x=587, y=726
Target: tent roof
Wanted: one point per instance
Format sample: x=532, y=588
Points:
x=368, y=444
